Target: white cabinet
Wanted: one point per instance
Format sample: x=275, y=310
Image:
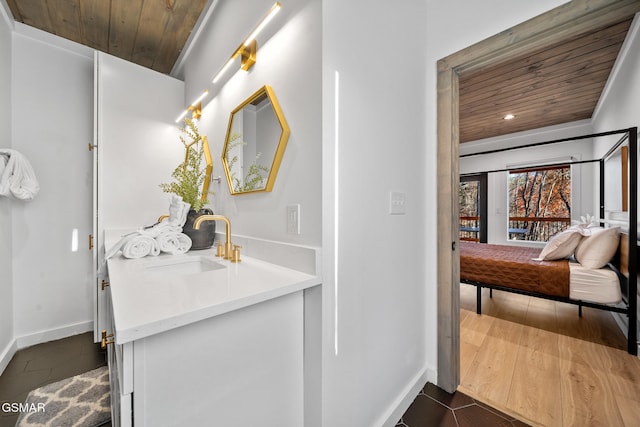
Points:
x=136, y=147
x=120, y=359
x=242, y=368
x=227, y=346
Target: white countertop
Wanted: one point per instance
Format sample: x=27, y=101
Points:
x=150, y=296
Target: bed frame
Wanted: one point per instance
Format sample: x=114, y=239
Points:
x=625, y=262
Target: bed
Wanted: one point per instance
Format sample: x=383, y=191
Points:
x=584, y=270
x=517, y=269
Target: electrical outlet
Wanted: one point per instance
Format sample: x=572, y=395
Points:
x=293, y=219
x=397, y=203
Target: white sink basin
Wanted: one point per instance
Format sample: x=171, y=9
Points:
x=182, y=265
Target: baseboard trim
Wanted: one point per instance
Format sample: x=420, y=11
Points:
x=53, y=334
x=406, y=397
x=7, y=354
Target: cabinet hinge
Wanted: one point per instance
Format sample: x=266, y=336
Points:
x=91, y=146
x=90, y=242
x=106, y=339
x=104, y=284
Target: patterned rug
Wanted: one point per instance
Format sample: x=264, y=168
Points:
x=80, y=401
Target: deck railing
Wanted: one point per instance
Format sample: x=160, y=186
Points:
x=470, y=228
x=538, y=229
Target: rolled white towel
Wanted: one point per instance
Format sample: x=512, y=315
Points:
x=138, y=246
x=150, y=240
x=159, y=228
x=178, y=211
x=17, y=178
x=174, y=243
x=113, y=250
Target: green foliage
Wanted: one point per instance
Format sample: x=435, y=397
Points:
x=254, y=179
x=189, y=175
x=234, y=141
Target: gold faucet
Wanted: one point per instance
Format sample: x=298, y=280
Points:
x=227, y=245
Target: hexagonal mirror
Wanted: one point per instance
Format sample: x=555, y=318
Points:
x=256, y=138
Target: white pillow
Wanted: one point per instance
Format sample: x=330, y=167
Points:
x=561, y=246
x=596, y=250
x=584, y=229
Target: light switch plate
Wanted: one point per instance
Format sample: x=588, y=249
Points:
x=293, y=219
x=397, y=203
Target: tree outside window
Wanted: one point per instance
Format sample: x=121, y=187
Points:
x=539, y=202
x=469, y=202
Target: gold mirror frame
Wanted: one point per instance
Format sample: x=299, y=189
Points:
x=208, y=165
x=265, y=92
x=208, y=169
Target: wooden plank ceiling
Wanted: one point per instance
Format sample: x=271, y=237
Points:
x=559, y=84
x=556, y=85
x=151, y=33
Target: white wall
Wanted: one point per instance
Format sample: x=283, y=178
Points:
x=620, y=104
x=374, y=276
x=52, y=94
x=582, y=191
x=290, y=62
x=6, y=276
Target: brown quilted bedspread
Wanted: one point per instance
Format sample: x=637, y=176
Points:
x=513, y=267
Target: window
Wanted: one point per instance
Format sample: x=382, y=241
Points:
x=539, y=202
x=472, y=195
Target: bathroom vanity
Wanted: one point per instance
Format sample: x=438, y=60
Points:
x=193, y=340
x=198, y=340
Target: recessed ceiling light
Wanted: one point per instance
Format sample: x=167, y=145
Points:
x=509, y=117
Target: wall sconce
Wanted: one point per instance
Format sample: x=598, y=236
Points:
x=195, y=107
x=249, y=47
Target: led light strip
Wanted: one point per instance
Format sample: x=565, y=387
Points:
x=336, y=199
x=247, y=42
x=193, y=104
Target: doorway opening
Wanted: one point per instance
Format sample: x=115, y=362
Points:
x=558, y=24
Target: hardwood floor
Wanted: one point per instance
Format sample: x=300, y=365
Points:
x=537, y=359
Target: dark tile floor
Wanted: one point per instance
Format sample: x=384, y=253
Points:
x=434, y=407
x=46, y=363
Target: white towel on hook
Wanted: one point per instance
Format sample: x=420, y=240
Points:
x=3, y=163
x=17, y=178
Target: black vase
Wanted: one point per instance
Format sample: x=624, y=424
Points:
x=202, y=238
